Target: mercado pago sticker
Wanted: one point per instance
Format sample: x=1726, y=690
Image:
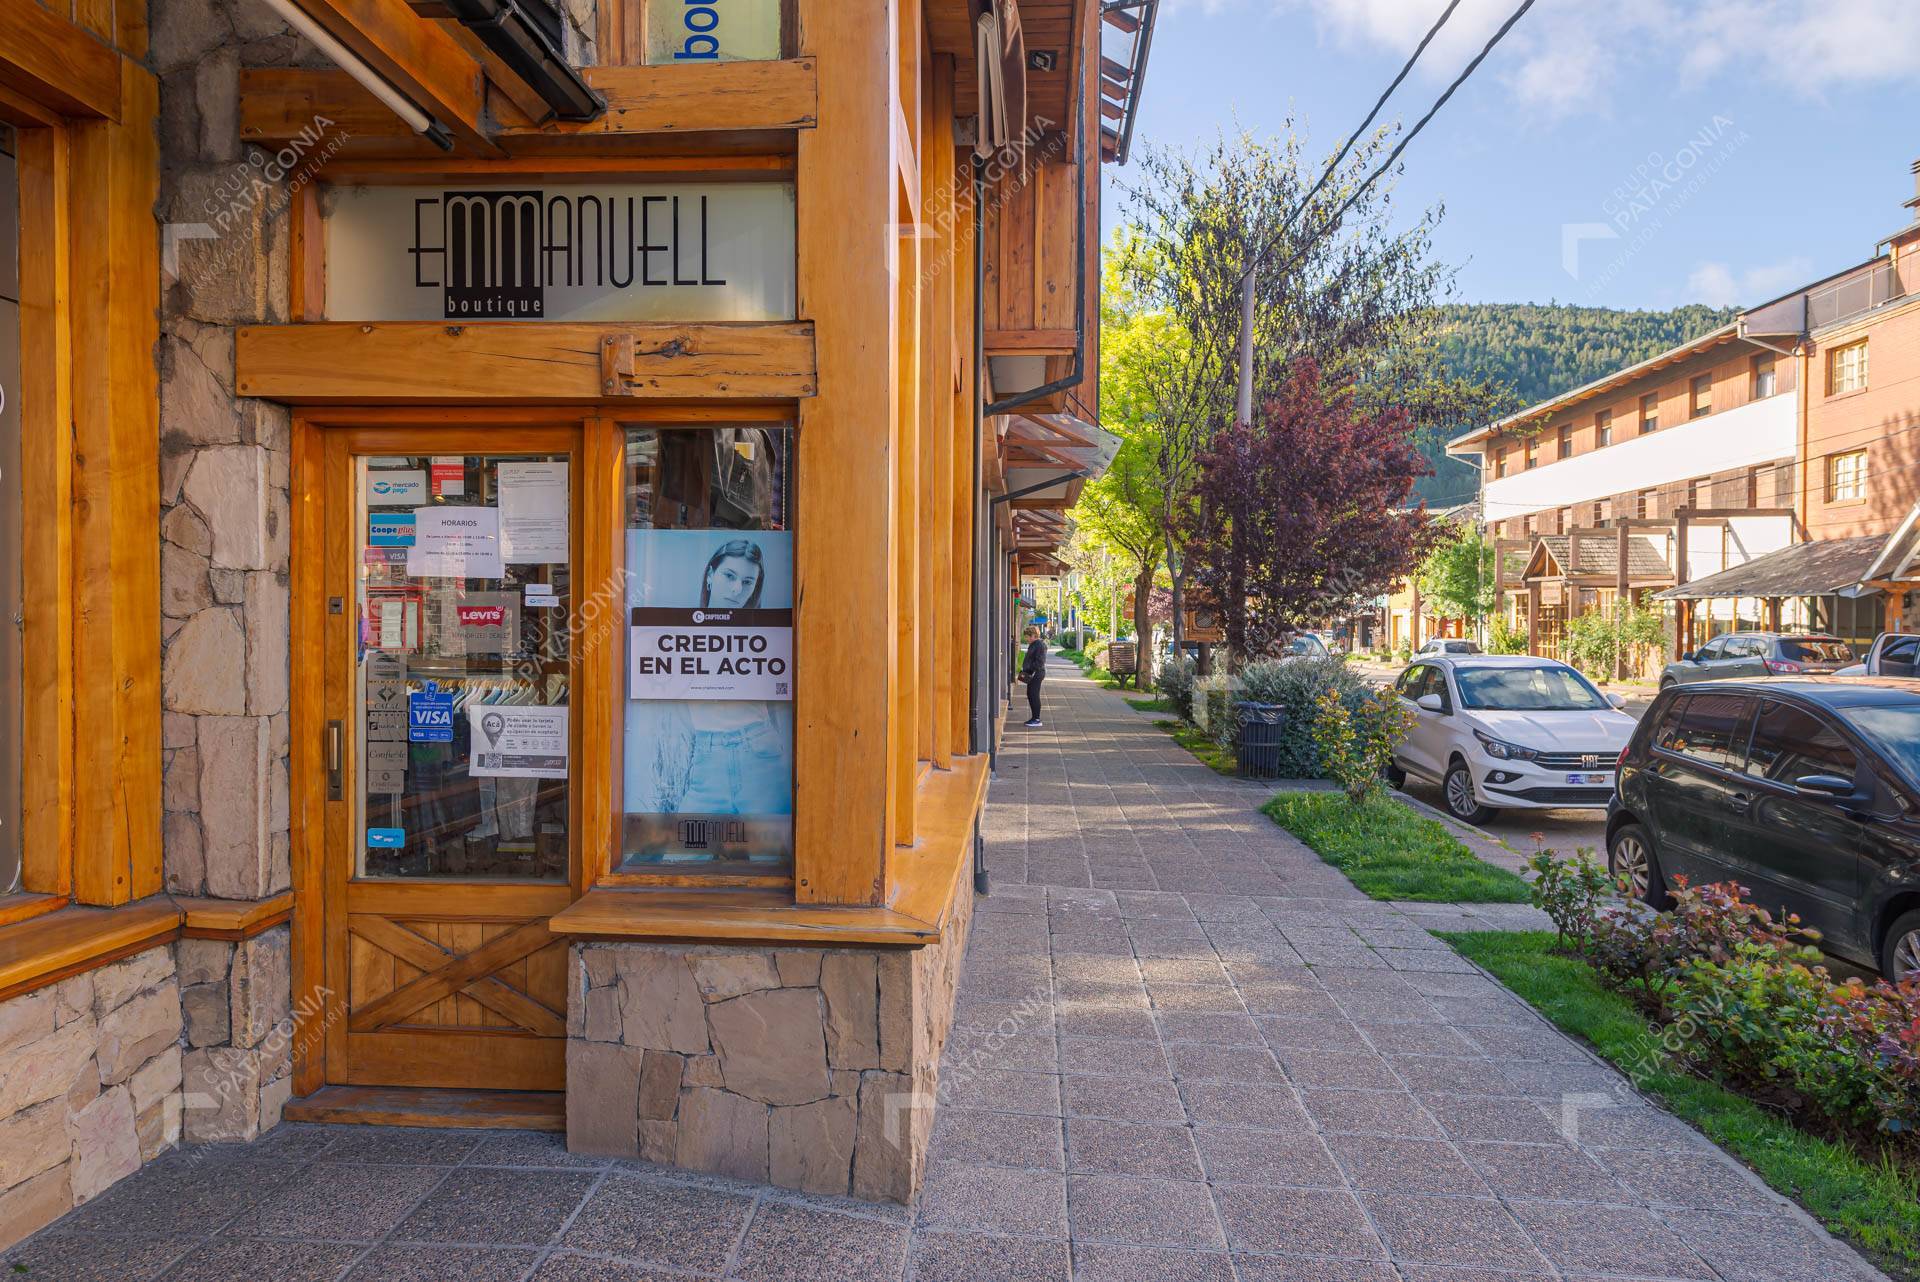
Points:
x=603, y=251
x=711, y=615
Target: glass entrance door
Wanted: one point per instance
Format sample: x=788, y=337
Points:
x=450, y=755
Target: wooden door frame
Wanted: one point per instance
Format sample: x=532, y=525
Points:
x=322, y=438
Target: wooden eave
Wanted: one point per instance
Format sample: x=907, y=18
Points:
x=729, y=108
x=54, y=62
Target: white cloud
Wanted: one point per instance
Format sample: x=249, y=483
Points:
x=1568, y=55
x=1718, y=285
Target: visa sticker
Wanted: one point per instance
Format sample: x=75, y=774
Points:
x=386, y=838
x=430, y=715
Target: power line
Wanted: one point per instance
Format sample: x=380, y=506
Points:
x=1328, y=227
x=1354, y=137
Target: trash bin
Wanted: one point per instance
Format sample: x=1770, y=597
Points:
x=1260, y=726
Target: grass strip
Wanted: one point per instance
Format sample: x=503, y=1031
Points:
x=1156, y=704
x=1391, y=851
x=1866, y=1199
x=1195, y=740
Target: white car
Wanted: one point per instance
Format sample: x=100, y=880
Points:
x=1501, y=732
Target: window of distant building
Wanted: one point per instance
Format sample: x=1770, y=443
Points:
x=1649, y=413
x=1847, y=477
x=1603, y=427
x=1765, y=382
x=1642, y=503
x=1499, y=463
x=1702, y=395
x=1847, y=369
x=1599, y=513
x=1566, y=441
x=1697, y=492
x=1531, y=460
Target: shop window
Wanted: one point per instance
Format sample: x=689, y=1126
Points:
x=1700, y=396
x=1847, y=369
x=1847, y=477
x=701, y=31
x=707, y=751
x=1603, y=427
x=1649, y=413
x=10, y=525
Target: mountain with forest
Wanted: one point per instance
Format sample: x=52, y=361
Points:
x=1540, y=350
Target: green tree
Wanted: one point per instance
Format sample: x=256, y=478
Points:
x=1457, y=576
x=1602, y=643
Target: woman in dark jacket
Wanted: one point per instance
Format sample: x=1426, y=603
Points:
x=1033, y=670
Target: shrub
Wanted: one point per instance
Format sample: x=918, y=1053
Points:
x=1176, y=680
x=1355, y=744
x=1295, y=685
x=1596, y=641
x=1504, y=637
x=1403, y=655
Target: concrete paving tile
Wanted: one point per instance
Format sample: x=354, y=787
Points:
x=1212, y=1027
x=971, y=1257
x=531, y=1148
x=497, y=1207
x=1142, y=1212
x=1317, y=1221
x=1097, y=1145
x=1174, y=970
x=1556, y=1172
x=1127, y=1057
x=1451, y=1075
x=340, y=1203
x=222, y=1259
x=798, y=1244
x=1691, y=1179
x=1326, y=1032
x=96, y=1257
x=1258, y=1107
x=1405, y=1166
x=439, y=1263
x=991, y=1199
x=1608, y=1239
x=1100, y=1262
x=571, y=1266
x=1004, y=1091
x=1200, y=1061
x=1345, y=1070
x=1765, y=1248
x=1370, y=1113
x=1480, y=1117
x=1417, y=1039
x=1451, y=1230
x=998, y=1139
x=1297, y=1268
x=1080, y=1020
x=1124, y=1099
x=1237, y=1156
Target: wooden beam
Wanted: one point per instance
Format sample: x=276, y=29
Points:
x=278, y=103
x=115, y=255
x=57, y=63
x=414, y=55
x=531, y=362
x=1030, y=342
x=848, y=601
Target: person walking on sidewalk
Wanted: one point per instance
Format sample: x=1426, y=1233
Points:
x=1033, y=670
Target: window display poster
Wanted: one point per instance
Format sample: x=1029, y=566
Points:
x=455, y=543
x=533, y=513
x=711, y=615
x=517, y=741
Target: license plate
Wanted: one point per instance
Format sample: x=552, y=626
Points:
x=1590, y=780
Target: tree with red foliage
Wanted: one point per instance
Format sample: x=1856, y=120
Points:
x=1299, y=515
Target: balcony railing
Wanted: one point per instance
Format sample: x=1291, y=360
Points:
x=1862, y=291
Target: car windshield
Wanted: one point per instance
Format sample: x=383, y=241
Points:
x=1892, y=728
x=1815, y=650
x=1541, y=689
x=1307, y=645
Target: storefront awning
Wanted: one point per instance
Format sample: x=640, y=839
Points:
x=1805, y=569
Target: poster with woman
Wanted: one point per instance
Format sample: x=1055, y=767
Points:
x=709, y=725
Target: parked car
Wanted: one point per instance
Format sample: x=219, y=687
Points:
x=1508, y=731
x=1760, y=654
x=1804, y=790
x=1892, y=654
x=1302, y=645
x=1447, y=645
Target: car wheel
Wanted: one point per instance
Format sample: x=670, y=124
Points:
x=1394, y=775
x=1462, y=804
x=1630, y=858
x=1900, y=950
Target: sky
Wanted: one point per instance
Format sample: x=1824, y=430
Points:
x=1618, y=153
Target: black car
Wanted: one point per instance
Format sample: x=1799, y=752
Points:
x=1806, y=790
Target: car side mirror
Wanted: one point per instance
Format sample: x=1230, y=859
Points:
x=1618, y=701
x=1431, y=702
x=1825, y=785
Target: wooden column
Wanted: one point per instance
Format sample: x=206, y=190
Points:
x=1533, y=618
x=966, y=493
x=939, y=374
x=115, y=255
x=1622, y=594
x=848, y=599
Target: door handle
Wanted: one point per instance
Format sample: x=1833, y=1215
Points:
x=334, y=762
x=1740, y=802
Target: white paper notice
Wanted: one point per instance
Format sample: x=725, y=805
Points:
x=533, y=513
x=518, y=741
x=455, y=543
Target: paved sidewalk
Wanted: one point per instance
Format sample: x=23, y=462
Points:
x=1186, y=1049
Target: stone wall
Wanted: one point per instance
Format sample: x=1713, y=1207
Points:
x=90, y=1086
x=810, y=1068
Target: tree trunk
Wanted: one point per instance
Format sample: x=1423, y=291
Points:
x=1143, y=622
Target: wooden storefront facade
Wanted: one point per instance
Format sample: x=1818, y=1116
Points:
x=378, y=711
